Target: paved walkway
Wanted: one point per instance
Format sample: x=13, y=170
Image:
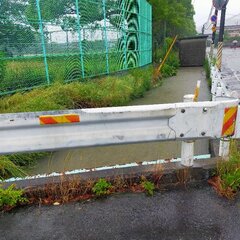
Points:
x=196, y=214
x=231, y=70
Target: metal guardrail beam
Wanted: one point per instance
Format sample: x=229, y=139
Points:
x=43, y=131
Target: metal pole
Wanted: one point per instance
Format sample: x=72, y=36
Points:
x=221, y=36
x=213, y=35
x=105, y=34
x=43, y=41
x=79, y=38
x=124, y=35
x=67, y=41
x=187, y=150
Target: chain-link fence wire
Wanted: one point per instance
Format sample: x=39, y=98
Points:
x=43, y=41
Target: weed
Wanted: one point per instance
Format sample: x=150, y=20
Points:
x=208, y=72
x=102, y=187
x=227, y=179
x=10, y=197
x=148, y=186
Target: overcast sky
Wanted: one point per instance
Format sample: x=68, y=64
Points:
x=203, y=7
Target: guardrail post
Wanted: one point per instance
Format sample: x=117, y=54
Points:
x=224, y=144
x=224, y=148
x=187, y=151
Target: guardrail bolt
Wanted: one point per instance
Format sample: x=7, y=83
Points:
x=205, y=110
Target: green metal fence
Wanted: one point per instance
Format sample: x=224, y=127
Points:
x=43, y=41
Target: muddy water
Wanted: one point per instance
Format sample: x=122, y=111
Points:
x=172, y=90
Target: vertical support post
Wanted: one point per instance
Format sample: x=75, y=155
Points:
x=140, y=34
x=213, y=35
x=187, y=150
x=67, y=40
x=43, y=41
x=124, y=34
x=51, y=42
x=224, y=148
x=221, y=36
x=150, y=32
x=105, y=34
x=80, y=38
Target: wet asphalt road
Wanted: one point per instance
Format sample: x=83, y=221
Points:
x=184, y=214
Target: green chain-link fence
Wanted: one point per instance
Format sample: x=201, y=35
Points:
x=42, y=41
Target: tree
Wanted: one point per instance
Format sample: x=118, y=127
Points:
x=171, y=17
x=63, y=12
x=15, y=32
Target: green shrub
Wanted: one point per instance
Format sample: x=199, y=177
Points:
x=102, y=187
x=11, y=197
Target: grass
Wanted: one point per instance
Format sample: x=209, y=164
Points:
x=73, y=188
x=9, y=169
x=227, y=178
x=17, y=74
x=208, y=72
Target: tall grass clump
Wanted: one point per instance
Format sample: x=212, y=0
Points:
x=208, y=72
x=9, y=169
x=227, y=179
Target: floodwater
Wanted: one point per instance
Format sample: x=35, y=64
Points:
x=172, y=90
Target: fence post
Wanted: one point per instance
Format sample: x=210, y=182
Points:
x=187, y=150
x=124, y=34
x=43, y=41
x=105, y=34
x=80, y=38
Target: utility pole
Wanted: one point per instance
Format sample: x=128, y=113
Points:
x=214, y=29
x=221, y=36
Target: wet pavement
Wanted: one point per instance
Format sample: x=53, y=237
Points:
x=189, y=214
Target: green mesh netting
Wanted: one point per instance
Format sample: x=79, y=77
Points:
x=42, y=41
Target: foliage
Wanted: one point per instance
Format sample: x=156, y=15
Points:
x=208, y=72
x=148, y=187
x=102, y=187
x=13, y=30
x=172, y=17
x=172, y=63
x=2, y=66
x=62, y=11
x=26, y=159
x=101, y=92
x=9, y=169
x=227, y=179
x=10, y=197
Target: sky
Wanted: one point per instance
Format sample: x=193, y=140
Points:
x=203, y=7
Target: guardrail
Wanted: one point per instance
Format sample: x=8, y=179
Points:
x=45, y=131
x=225, y=83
